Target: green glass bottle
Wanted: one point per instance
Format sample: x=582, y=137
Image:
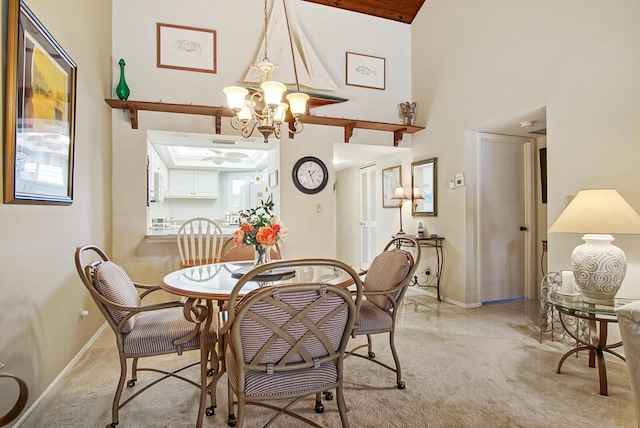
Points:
x=122, y=90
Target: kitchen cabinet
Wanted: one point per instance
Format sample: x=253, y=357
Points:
x=184, y=183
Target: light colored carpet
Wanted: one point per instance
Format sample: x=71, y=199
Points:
x=463, y=368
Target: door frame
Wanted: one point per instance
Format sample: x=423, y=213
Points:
x=368, y=200
x=474, y=216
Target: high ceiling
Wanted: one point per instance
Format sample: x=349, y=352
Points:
x=396, y=10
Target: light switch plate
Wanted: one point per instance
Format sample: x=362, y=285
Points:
x=459, y=179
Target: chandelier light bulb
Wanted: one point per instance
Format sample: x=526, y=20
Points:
x=278, y=116
x=273, y=92
x=235, y=97
x=297, y=103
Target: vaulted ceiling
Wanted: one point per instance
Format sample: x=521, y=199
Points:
x=396, y=10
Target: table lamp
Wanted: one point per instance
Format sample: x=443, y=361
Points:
x=416, y=197
x=599, y=267
x=400, y=196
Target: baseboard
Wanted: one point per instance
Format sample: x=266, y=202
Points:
x=64, y=371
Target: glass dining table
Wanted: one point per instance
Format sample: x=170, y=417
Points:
x=212, y=285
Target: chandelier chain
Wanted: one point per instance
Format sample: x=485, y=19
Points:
x=266, y=29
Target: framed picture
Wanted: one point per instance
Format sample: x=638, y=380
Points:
x=39, y=113
x=273, y=179
x=365, y=71
x=186, y=48
x=391, y=178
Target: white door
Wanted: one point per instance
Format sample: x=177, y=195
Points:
x=505, y=220
x=367, y=215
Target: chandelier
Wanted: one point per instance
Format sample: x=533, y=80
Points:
x=265, y=108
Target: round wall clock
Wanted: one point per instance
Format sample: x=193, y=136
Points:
x=310, y=175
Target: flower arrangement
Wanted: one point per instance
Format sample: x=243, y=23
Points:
x=260, y=228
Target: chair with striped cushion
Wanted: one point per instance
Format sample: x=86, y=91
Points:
x=287, y=341
x=200, y=242
x=147, y=330
x=384, y=286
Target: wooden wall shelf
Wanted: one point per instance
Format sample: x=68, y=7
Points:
x=218, y=112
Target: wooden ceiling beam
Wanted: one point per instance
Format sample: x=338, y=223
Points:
x=396, y=10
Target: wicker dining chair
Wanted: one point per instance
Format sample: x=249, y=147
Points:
x=147, y=330
x=288, y=340
x=199, y=242
x=385, y=284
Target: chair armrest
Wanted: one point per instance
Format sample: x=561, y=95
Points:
x=148, y=289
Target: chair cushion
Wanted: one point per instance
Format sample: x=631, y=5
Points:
x=386, y=272
x=372, y=319
x=283, y=383
x=155, y=331
x=114, y=284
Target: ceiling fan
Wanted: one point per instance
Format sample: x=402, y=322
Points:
x=220, y=157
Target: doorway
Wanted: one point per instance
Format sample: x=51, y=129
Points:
x=506, y=226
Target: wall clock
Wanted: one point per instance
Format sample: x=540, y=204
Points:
x=310, y=175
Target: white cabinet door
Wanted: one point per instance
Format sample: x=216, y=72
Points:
x=193, y=184
x=205, y=184
x=180, y=183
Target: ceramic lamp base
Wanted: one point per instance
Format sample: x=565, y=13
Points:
x=599, y=268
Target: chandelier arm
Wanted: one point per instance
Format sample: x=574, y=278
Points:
x=248, y=128
x=237, y=123
x=297, y=126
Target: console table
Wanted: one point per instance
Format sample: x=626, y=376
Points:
x=598, y=317
x=436, y=243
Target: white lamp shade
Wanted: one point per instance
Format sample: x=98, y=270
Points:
x=417, y=194
x=297, y=103
x=278, y=116
x=399, y=193
x=598, y=211
x=235, y=97
x=245, y=113
x=273, y=92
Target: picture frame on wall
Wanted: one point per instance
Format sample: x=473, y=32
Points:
x=365, y=71
x=391, y=178
x=186, y=48
x=40, y=105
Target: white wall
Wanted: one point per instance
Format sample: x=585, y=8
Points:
x=40, y=292
x=239, y=26
x=477, y=62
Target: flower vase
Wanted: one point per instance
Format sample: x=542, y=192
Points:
x=262, y=255
x=122, y=90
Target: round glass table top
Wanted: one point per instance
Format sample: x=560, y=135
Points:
x=574, y=302
x=216, y=281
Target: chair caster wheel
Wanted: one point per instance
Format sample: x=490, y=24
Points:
x=113, y=425
x=372, y=354
x=210, y=411
x=209, y=372
x=319, y=407
x=131, y=383
x=232, y=420
x=401, y=385
x=328, y=395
